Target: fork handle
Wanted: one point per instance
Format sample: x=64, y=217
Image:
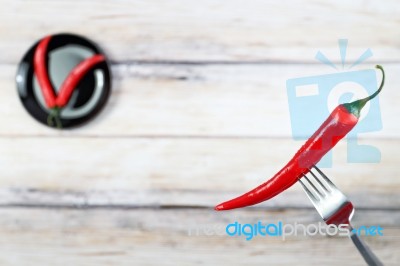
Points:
x=364, y=250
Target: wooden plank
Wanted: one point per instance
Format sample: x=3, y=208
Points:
x=195, y=100
x=161, y=237
x=212, y=31
x=185, y=172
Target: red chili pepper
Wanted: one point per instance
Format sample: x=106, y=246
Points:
x=56, y=102
x=72, y=80
x=40, y=69
x=342, y=119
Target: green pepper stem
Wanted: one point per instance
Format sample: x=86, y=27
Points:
x=54, y=114
x=356, y=106
x=380, y=87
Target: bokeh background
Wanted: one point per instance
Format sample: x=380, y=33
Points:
x=198, y=114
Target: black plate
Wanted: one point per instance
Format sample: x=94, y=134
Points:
x=65, y=51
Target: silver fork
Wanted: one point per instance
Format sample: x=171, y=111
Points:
x=334, y=208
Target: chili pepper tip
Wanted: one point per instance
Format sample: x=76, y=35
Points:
x=219, y=207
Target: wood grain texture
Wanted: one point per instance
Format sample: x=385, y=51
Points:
x=196, y=100
x=177, y=237
x=195, y=168
x=213, y=31
x=198, y=114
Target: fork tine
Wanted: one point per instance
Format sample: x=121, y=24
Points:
x=309, y=193
x=325, y=177
x=313, y=186
x=319, y=182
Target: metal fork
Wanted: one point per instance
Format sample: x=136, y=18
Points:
x=334, y=208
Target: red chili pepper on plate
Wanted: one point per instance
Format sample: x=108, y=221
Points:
x=342, y=119
x=56, y=102
x=40, y=68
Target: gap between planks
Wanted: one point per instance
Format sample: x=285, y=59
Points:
x=168, y=199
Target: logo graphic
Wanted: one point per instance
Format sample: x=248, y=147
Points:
x=311, y=99
x=261, y=229
x=63, y=80
x=280, y=229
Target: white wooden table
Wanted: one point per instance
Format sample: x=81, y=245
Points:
x=198, y=114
